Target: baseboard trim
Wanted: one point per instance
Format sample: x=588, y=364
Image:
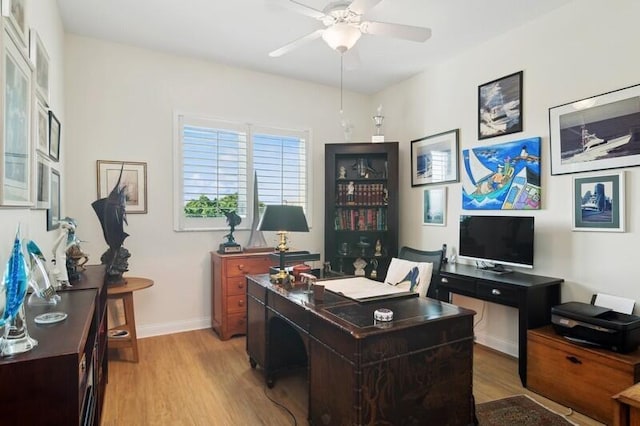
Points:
x=172, y=327
x=509, y=348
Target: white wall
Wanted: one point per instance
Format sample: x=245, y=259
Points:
x=583, y=49
x=120, y=105
x=43, y=16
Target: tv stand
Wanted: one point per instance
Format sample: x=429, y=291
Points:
x=495, y=269
x=532, y=295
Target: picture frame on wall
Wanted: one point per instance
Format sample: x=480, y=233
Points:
x=599, y=203
x=53, y=212
x=434, y=206
x=40, y=59
x=434, y=159
x=16, y=152
x=500, y=106
x=597, y=133
x=41, y=128
x=54, y=137
x=134, y=179
x=13, y=11
x=42, y=182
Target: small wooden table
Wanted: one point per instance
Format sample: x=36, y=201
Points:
x=627, y=407
x=128, y=337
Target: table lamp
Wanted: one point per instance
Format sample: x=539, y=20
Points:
x=283, y=219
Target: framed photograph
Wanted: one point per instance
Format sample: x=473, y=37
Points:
x=134, y=179
x=434, y=159
x=17, y=160
x=434, y=206
x=54, y=137
x=42, y=183
x=500, y=106
x=41, y=128
x=40, y=58
x=13, y=10
x=53, y=212
x=598, y=203
x=597, y=133
x=504, y=176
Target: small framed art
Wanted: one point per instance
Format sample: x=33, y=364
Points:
x=134, y=179
x=53, y=212
x=434, y=206
x=13, y=10
x=598, y=203
x=54, y=137
x=500, y=106
x=434, y=159
x=42, y=183
x=40, y=58
x=41, y=128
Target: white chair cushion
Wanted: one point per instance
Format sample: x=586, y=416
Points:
x=401, y=271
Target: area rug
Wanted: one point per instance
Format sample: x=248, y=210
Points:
x=518, y=410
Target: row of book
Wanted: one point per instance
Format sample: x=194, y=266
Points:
x=361, y=194
x=361, y=219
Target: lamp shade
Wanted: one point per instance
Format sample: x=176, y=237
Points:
x=341, y=36
x=283, y=218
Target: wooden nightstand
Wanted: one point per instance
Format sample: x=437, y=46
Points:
x=229, y=289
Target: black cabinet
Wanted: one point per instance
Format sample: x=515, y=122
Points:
x=361, y=209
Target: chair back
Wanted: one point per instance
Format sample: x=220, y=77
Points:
x=435, y=257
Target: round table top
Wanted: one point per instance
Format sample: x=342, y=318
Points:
x=131, y=284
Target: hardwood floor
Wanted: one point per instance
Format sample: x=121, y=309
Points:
x=194, y=378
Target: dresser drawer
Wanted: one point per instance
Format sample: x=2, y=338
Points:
x=237, y=324
x=503, y=295
x=460, y=285
x=237, y=304
x=244, y=265
x=236, y=286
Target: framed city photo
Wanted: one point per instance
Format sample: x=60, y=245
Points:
x=54, y=137
x=434, y=159
x=598, y=203
x=53, y=212
x=434, y=204
x=40, y=58
x=500, y=106
x=134, y=179
x=596, y=133
x=13, y=10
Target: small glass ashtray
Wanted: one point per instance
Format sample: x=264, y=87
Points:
x=50, y=317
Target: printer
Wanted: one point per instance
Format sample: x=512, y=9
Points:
x=597, y=325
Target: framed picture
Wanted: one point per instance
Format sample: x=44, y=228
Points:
x=134, y=179
x=41, y=128
x=16, y=138
x=596, y=133
x=13, y=10
x=434, y=159
x=598, y=203
x=54, y=137
x=53, y=212
x=503, y=176
x=40, y=59
x=434, y=206
x=500, y=106
x=42, y=183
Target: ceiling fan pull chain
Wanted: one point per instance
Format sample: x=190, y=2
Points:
x=341, y=72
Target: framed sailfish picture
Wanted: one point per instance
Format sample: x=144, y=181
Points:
x=500, y=106
x=504, y=176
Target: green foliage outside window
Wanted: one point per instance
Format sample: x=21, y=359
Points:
x=205, y=207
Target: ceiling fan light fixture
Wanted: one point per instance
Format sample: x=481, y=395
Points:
x=341, y=36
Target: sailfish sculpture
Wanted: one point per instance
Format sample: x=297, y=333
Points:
x=112, y=215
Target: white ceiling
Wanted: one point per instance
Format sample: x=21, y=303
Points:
x=243, y=32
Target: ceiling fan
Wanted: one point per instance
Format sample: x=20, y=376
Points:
x=345, y=24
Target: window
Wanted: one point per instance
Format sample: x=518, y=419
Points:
x=214, y=166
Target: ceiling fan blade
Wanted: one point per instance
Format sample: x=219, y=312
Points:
x=407, y=32
x=362, y=6
x=296, y=43
x=302, y=8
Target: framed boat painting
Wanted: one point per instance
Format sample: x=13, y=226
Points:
x=596, y=133
x=502, y=176
x=500, y=106
x=434, y=159
x=598, y=203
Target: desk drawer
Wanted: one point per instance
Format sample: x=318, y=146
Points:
x=237, y=304
x=503, y=295
x=459, y=285
x=236, y=286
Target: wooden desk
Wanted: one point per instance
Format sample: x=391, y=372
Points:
x=532, y=295
x=627, y=407
x=125, y=293
x=416, y=369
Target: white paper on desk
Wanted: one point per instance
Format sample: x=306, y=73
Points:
x=361, y=287
x=618, y=304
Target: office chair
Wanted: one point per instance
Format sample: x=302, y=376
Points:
x=435, y=257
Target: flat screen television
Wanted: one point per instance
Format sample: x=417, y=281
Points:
x=495, y=241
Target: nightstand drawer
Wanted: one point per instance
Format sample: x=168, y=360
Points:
x=237, y=304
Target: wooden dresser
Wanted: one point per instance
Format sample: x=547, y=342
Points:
x=229, y=285
x=583, y=378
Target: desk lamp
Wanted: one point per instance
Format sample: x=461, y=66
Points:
x=283, y=219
